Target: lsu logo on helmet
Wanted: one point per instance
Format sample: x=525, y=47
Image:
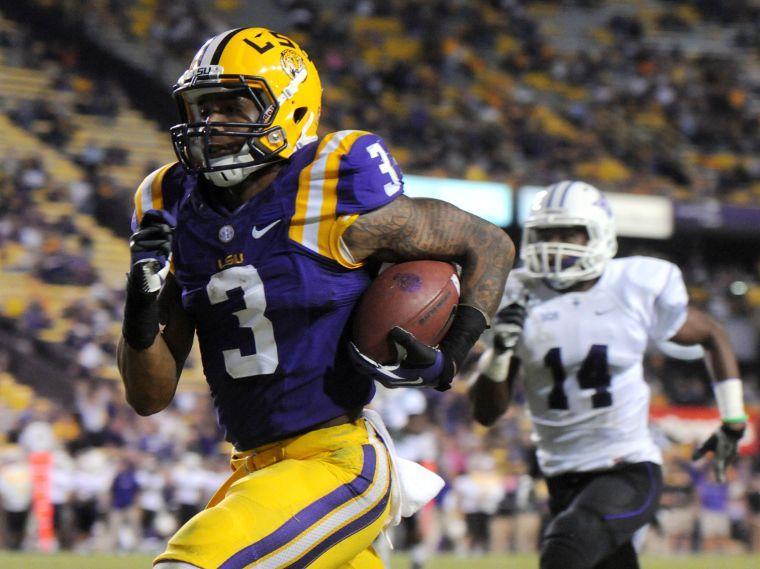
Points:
x=280, y=85
x=292, y=63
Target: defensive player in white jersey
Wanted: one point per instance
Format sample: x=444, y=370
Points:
x=578, y=322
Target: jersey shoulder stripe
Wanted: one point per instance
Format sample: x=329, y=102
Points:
x=315, y=223
x=150, y=193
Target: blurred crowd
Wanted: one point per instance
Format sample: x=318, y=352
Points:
x=52, y=250
x=124, y=482
x=118, y=481
x=169, y=29
x=479, y=90
x=657, y=97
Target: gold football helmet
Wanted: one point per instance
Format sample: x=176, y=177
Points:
x=273, y=81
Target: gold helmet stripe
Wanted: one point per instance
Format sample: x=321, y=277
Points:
x=217, y=53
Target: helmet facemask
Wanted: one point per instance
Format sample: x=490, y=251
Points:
x=563, y=264
x=198, y=140
x=558, y=259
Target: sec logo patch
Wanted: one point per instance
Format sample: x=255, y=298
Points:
x=226, y=233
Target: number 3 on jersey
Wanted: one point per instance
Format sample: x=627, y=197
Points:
x=252, y=317
x=593, y=374
x=376, y=150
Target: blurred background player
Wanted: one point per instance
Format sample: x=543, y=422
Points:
x=267, y=229
x=578, y=321
x=15, y=494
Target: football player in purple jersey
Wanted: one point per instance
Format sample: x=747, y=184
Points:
x=257, y=242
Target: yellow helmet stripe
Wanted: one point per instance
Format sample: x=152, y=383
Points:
x=149, y=194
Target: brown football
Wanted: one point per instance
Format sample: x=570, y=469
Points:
x=419, y=296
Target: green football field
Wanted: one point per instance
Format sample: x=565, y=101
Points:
x=99, y=561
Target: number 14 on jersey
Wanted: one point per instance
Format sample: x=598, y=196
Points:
x=593, y=374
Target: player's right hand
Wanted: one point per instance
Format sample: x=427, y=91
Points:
x=420, y=366
x=508, y=326
x=150, y=248
x=724, y=444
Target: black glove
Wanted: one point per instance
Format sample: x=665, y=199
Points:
x=724, y=443
x=150, y=248
x=420, y=366
x=508, y=326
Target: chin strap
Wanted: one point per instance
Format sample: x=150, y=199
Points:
x=233, y=176
x=292, y=87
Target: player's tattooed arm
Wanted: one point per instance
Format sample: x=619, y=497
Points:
x=150, y=376
x=412, y=229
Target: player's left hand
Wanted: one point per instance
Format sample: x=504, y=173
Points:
x=420, y=365
x=724, y=443
x=150, y=249
x=508, y=326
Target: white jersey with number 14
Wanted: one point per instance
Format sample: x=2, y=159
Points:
x=581, y=355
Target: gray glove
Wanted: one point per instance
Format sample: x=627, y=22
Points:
x=508, y=326
x=724, y=443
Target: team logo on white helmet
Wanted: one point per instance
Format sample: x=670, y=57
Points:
x=569, y=204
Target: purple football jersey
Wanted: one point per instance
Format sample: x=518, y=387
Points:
x=271, y=287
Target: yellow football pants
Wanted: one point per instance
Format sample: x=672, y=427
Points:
x=317, y=500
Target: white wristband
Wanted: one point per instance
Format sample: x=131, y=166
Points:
x=495, y=366
x=730, y=398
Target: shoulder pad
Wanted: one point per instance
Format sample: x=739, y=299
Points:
x=156, y=192
x=351, y=173
x=646, y=273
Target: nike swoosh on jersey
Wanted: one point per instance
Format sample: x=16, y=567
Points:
x=417, y=381
x=259, y=233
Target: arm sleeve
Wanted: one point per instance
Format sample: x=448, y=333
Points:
x=369, y=176
x=670, y=303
